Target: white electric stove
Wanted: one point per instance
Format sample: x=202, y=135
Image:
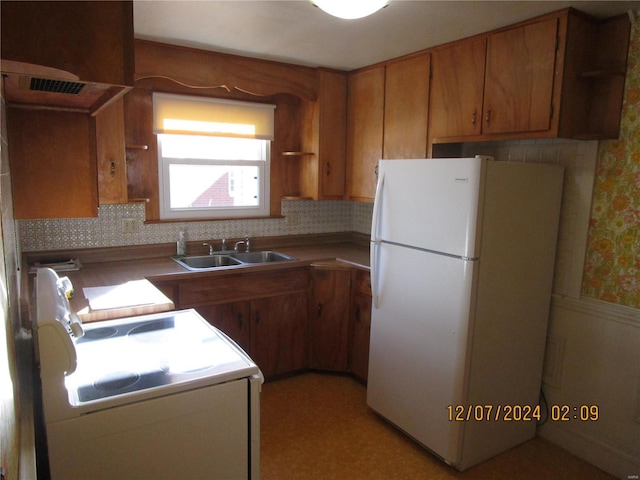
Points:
x=156, y=396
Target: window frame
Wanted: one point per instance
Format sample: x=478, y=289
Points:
x=214, y=213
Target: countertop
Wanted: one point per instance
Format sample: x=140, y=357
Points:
x=117, y=266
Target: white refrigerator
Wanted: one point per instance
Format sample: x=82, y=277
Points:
x=462, y=257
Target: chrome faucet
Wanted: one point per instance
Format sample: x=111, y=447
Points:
x=246, y=242
x=223, y=247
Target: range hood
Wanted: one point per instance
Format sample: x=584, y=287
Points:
x=38, y=86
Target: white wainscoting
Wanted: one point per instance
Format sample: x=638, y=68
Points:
x=593, y=358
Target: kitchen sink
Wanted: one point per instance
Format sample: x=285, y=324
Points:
x=266, y=256
x=206, y=261
x=209, y=262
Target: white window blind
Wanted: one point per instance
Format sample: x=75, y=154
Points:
x=187, y=115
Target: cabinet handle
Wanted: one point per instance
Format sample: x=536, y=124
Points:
x=113, y=167
x=488, y=117
x=240, y=318
x=328, y=169
x=474, y=117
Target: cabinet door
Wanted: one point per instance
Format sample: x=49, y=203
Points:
x=364, y=132
x=329, y=318
x=279, y=333
x=232, y=318
x=53, y=164
x=406, y=104
x=457, y=89
x=112, y=168
x=360, y=325
x=333, y=134
x=519, y=78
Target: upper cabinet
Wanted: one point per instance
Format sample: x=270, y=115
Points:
x=406, y=105
x=111, y=157
x=365, y=113
x=548, y=77
x=518, y=88
x=324, y=139
x=76, y=55
x=53, y=164
x=457, y=89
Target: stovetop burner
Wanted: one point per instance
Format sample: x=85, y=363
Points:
x=128, y=356
x=116, y=381
x=100, y=333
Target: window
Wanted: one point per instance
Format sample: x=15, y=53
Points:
x=213, y=157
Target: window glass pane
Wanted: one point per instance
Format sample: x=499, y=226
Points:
x=213, y=186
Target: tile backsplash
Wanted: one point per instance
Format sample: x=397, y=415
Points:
x=308, y=217
x=300, y=217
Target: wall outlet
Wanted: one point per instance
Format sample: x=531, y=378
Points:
x=129, y=225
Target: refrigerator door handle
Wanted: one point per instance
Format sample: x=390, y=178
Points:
x=377, y=205
x=375, y=246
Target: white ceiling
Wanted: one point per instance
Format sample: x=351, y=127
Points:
x=295, y=31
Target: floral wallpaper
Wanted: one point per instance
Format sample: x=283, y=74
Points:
x=612, y=266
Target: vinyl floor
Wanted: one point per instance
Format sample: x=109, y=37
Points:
x=318, y=426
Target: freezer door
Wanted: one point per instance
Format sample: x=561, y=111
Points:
x=418, y=344
x=430, y=203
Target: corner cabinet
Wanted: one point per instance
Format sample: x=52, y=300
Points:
x=532, y=80
x=360, y=324
x=364, y=131
x=324, y=139
x=329, y=317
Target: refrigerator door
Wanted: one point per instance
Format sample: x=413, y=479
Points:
x=430, y=204
x=418, y=342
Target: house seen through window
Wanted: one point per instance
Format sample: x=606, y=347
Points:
x=213, y=157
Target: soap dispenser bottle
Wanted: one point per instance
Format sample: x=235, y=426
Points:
x=181, y=244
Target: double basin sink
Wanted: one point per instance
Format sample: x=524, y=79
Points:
x=218, y=260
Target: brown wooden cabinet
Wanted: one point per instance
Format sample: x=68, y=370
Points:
x=519, y=78
x=324, y=131
x=279, y=333
x=329, y=318
x=233, y=318
x=365, y=113
x=360, y=325
x=53, y=164
x=64, y=164
x=265, y=312
x=457, y=89
x=406, y=106
x=554, y=76
x=111, y=157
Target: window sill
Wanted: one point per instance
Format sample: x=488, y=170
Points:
x=185, y=220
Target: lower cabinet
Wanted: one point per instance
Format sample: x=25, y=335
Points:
x=264, y=312
x=233, y=318
x=279, y=333
x=329, y=318
x=287, y=320
x=360, y=325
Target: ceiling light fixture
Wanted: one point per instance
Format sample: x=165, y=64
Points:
x=350, y=9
